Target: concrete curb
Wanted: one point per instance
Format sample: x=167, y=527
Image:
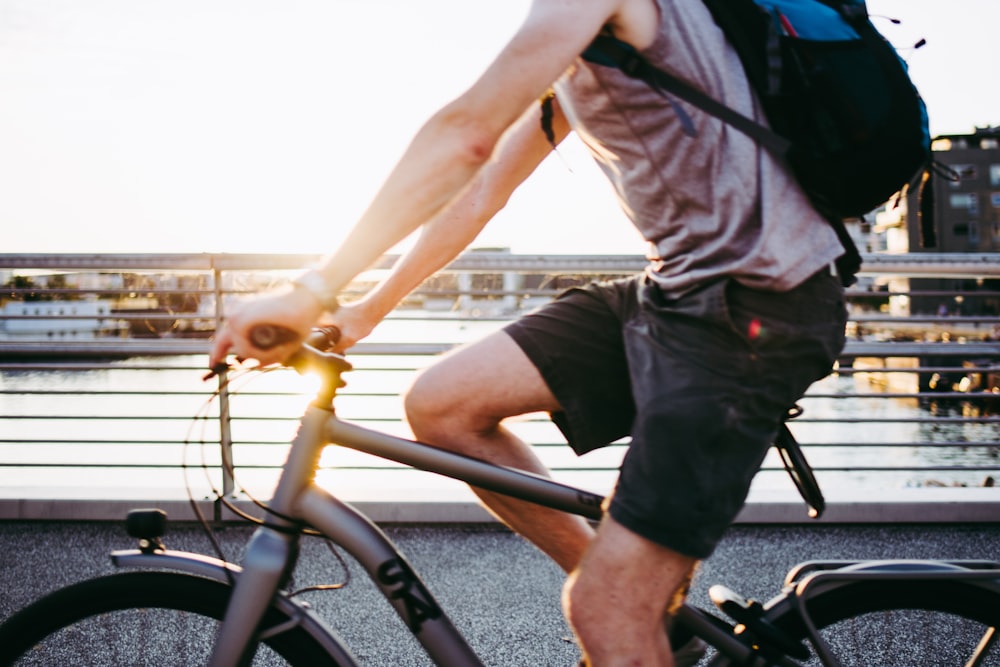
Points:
x=458, y=506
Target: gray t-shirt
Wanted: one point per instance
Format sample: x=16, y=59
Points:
x=711, y=205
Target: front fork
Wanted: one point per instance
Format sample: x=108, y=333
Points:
x=272, y=551
x=269, y=556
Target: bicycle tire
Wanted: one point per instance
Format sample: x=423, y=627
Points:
x=141, y=618
x=939, y=623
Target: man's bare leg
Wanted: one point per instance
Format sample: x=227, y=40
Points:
x=621, y=585
x=616, y=600
x=458, y=404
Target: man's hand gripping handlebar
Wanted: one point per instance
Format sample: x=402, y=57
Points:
x=311, y=355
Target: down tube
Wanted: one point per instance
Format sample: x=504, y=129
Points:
x=501, y=479
x=394, y=576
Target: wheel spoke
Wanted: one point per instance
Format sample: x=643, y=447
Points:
x=909, y=623
x=983, y=650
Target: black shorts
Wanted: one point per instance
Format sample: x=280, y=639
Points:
x=700, y=383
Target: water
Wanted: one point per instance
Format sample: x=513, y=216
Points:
x=128, y=427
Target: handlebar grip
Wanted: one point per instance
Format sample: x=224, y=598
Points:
x=266, y=336
x=323, y=338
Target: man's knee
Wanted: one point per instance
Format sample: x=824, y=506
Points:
x=605, y=625
x=582, y=605
x=426, y=403
x=623, y=589
x=472, y=390
x=443, y=404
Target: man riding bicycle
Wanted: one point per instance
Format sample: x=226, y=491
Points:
x=697, y=359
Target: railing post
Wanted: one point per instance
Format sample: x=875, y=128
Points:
x=225, y=443
x=225, y=432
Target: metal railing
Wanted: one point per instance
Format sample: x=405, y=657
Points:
x=115, y=410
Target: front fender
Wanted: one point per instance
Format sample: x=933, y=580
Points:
x=228, y=573
x=182, y=561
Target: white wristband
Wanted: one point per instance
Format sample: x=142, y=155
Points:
x=313, y=282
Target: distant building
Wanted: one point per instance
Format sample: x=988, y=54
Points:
x=964, y=214
x=86, y=319
x=961, y=215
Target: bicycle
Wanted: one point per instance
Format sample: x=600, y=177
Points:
x=245, y=614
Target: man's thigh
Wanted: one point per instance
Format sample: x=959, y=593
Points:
x=490, y=380
x=576, y=343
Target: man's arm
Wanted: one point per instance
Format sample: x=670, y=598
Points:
x=457, y=141
x=441, y=239
x=441, y=161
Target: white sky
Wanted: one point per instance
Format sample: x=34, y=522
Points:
x=260, y=126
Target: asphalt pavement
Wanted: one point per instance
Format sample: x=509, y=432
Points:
x=500, y=591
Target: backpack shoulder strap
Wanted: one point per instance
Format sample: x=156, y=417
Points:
x=611, y=52
x=546, y=102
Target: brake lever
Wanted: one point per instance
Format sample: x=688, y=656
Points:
x=215, y=371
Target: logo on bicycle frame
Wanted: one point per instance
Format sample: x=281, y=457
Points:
x=590, y=499
x=419, y=604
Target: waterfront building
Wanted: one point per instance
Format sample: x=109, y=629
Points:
x=960, y=214
x=78, y=319
x=963, y=214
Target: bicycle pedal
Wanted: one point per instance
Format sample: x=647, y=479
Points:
x=749, y=613
x=734, y=604
x=148, y=525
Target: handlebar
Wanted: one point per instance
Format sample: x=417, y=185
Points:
x=312, y=354
x=266, y=336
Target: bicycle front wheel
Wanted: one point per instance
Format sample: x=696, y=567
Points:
x=142, y=618
x=932, y=623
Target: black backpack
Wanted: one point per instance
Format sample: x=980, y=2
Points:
x=838, y=98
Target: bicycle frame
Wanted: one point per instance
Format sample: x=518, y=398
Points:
x=273, y=550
